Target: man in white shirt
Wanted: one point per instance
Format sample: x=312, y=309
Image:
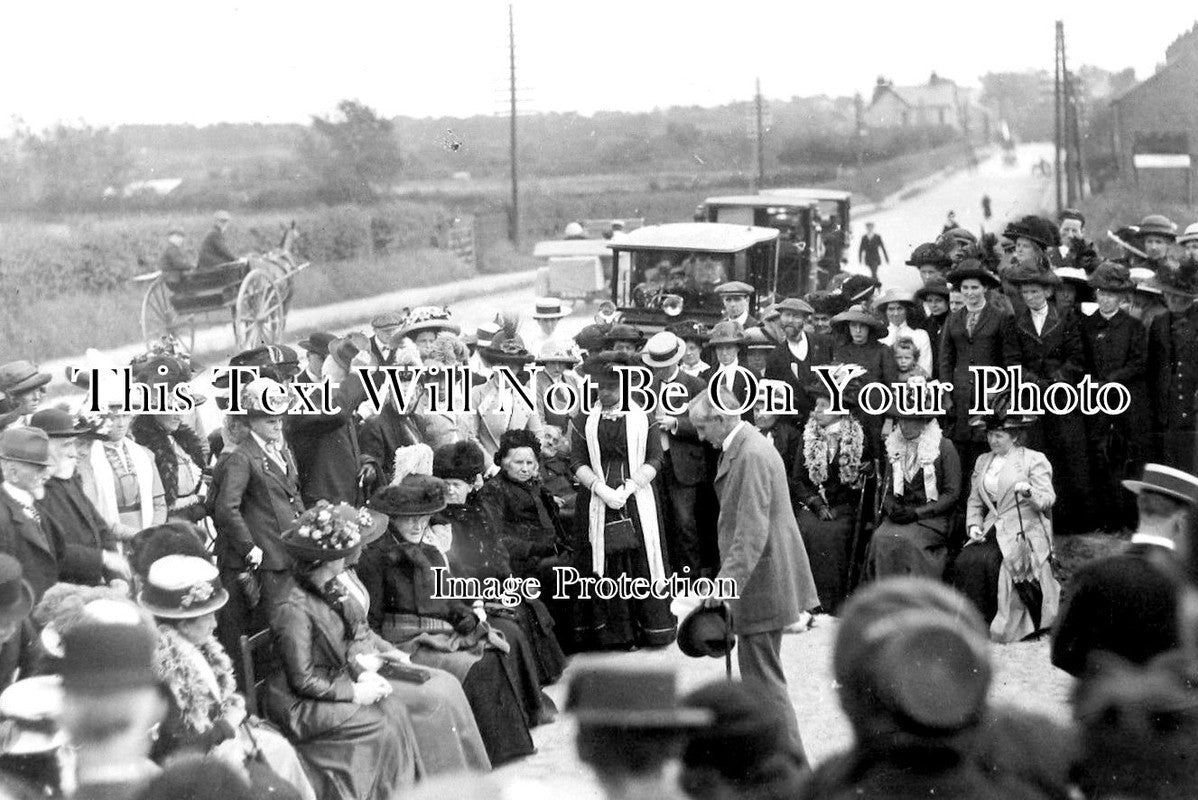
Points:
x=791, y=361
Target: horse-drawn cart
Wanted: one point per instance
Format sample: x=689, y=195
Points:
x=255, y=289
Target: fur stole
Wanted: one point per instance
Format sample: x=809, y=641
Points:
x=175, y=662
x=815, y=451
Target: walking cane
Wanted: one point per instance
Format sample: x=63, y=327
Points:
x=729, y=642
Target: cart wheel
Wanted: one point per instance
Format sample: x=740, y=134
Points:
x=258, y=312
x=158, y=316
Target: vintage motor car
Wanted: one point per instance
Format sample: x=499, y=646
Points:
x=578, y=267
x=813, y=224
x=663, y=272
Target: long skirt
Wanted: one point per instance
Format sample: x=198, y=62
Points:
x=919, y=548
x=522, y=672
x=496, y=701
x=370, y=756
x=975, y=574
x=447, y=736
x=828, y=544
x=282, y=758
x=623, y=623
x=537, y=624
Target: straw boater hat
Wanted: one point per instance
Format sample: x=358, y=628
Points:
x=1144, y=279
x=182, y=587
x=632, y=698
x=1168, y=481
x=327, y=532
x=1190, y=235
x=858, y=313
x=550, y=308
x=414, y=496
x=1111, y=276
x=426, y=318
x=663, y=349
x=725, y=333
x=1078, y=279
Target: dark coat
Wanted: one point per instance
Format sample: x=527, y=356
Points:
x=27, y=542
x=871, y=251
x=739, y=387
x=174, y=264
x=688, y=458
x=935, y=325
x=382, y=435
x=1124, y=604
x=958, y=352
x=76, y=530
x=760, y=545
x=1116, y=350
x=326, y=448
x=527, y=537
x=476, y=551
x=254, y=502
x=875, y=357
x=783, y=366
x=1054, y=354
x=214, y=250
x=788, y=441
x=1173, y=370
x=398, y=576
x=948, y=489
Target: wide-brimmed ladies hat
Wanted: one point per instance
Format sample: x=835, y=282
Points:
x=631, y=697
x=663, y=349
x=507, y=351
x=859, y=313
x=1021, y=275
x=758, y=339
x=550, y=308
x=1180, y=281
x=972, y=268
x=931, y=254
x=169, y=371
x=1036, y=229
x=1168, y=481
x=1001, y=419
x=895, y=295
x=1110, y=276
x=344, y=349
x=1079, y=280
x=1145, y=282
x=414, y=496
x=427, y=318
x=602, y=365
x=327, y=532
x=1158, y=225
x=182, y=587
x=826, y=303
x=726, y=332
x=936, y=287
x=1190, y=235
x=557, y=353
x=623, y=333
x=689, y=331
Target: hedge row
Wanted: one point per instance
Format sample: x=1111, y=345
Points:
x=44, y=260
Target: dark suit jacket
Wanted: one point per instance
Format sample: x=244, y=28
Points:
x=27, y=542
x=21, y=655
x=213, y=250
x=254, y=503
x=935, y=328
x=1054, y=354
x=783, y=366
x=174, y=264
x=760, y=545
x=325, y=447
x=383, y=434
x=1124, y=604
x=1168, y=355
x=871, y=250
x=688, y=457
x=76, y=530
x=958, y=352
x=740, y=388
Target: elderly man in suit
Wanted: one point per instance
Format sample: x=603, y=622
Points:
x=1127, y=604
x=25, y=461
x=256, y=497
x=760, y=548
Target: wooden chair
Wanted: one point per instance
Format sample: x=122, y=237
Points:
x=258, y=660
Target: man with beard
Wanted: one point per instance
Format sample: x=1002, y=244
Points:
x=791, y=361
x=25, y=461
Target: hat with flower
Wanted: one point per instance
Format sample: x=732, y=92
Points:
x=327, y=532
x=426, y=318
x=182, y=587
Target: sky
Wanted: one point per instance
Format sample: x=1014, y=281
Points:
x=134, y=61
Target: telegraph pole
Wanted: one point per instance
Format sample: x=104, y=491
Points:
x=859, y=113
x=760, y=139
x=1069, y=121
x=1056, y=112
x=514, y=221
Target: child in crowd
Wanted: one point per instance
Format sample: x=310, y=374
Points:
x=906, y=355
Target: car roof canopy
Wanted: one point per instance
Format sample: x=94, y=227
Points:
x=758, y=201
x=799, y=193
x=564, y=248
x=706, y=237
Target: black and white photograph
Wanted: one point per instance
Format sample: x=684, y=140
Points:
x=613, y=401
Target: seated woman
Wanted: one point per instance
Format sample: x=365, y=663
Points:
x=829, y=475
x=1004, y=567
x=476, y=552
x=922, y=484
x=357, y=739
x=205, y=714
x=453, y=635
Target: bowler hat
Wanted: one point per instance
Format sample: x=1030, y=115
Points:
x=182, y=587
x=630, y=697
x=463, y=461
x=16, y=595
x=725, y=333
x=414, y=496
x=59, y=424
x=734, y=288
x=317, y=342
x=549, y=308
x=937, y=286
x=1160, y=479
x=18, y=377
x=972, y=268
x=663, y=349
x=1190, y=235
x=108, y=657
x=1111, y=276
x=795, y=305
x=706, y=631
x=1158, y=225
x=27, y=445
x=929, y=253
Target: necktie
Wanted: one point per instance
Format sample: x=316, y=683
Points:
x=971, y=321
x=32, y=511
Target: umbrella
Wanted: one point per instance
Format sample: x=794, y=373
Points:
x=1026, y=584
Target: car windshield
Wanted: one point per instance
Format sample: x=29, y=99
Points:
x=691, y=276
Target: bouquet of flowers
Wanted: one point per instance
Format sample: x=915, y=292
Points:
x=331, y=527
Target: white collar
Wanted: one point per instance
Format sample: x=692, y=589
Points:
x=266, y=447
x=975, y=310
x=742, y=319
x=732, y=435
x=728, y=367
x=22, y=496
x=1107, y=316
x=1041, y=314
x=673, y=376
x=1151, y=538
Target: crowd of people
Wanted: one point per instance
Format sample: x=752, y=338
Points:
x=265, y=594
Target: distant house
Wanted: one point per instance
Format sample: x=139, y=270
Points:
x=940, y=101
x=1159, y=117
x=155, y=186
